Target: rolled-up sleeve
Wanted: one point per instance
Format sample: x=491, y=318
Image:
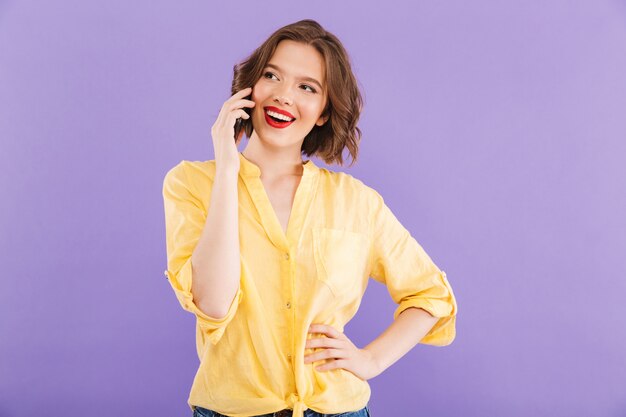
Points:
x=184, y=222
x=398, y=261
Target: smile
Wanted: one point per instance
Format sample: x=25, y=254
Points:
x=277, y=118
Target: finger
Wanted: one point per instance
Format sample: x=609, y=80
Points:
x=327, y=366
x=237, y=96
x=232, y=117
x=236, y=114
x=241, y=103
x=226, y=106
x=326, y=354
x=334, y=364
x=228, y=120
x=325, y=329
x=316, y=342
x=241, y=93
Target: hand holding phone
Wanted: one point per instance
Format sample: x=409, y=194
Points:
x=223, y=130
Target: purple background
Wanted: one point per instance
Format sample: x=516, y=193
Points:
x=494, y=131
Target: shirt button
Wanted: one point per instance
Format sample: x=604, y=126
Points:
x=288, y=304
x=286, y=255
x=165, y=273
x=289, y=356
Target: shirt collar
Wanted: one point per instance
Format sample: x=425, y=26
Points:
x=249, y=169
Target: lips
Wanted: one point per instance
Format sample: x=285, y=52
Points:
x=279, y=124
x=277, y=110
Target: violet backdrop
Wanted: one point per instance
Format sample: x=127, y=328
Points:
x=494, y=130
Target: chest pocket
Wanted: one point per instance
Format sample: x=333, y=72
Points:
x=341, y=258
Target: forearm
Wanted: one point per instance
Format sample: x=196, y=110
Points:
x=216, y=258
x=401, y=336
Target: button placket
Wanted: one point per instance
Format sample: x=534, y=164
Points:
x=288, y=303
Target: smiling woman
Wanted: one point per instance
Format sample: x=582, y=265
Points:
x=268, y=250
x=306, y=66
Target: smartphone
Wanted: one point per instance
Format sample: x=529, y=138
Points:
x=240, y=120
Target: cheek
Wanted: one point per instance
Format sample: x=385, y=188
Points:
x=260, y=91
x=311, y=110
x=259, y=96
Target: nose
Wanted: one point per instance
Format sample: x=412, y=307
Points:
x=282, y=98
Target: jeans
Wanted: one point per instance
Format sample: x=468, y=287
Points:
x=363, y=412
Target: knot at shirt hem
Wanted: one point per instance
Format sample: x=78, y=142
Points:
x=297, y=405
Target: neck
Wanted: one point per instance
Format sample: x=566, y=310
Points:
x=274, y=164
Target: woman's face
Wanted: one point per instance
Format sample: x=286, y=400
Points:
x=293, y=81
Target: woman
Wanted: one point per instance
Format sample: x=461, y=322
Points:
x=272, y=254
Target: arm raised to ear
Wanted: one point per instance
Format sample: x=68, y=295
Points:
x=203, y=256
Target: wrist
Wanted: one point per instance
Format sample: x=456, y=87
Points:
x=374, y=360
x=226, y=173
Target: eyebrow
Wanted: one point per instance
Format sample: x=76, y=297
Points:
x=310, y=79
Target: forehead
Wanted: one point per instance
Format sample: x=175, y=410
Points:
x=299, y=60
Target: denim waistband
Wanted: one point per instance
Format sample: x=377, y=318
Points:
x=287, y=412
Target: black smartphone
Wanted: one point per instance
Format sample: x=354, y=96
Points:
x=240, y=120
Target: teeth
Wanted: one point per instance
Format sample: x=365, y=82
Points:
x=279, y=116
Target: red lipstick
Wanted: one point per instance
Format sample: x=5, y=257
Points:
x=279, y=124
x=277, y=110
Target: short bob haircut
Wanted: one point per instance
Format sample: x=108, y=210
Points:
x=344, y=101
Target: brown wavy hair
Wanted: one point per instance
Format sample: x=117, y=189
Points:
x=344, y=103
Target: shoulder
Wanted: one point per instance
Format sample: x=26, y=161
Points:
x=193, y=172
x=191, y=178
x=197, y=170
x=348, y=186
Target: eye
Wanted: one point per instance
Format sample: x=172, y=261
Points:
x=271, y=74
x=268, y=73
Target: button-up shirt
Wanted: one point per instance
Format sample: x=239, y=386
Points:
x=340, y=233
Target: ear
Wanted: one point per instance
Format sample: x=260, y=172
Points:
x=323, y=119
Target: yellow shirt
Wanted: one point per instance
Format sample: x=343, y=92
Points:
x=340, y=233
